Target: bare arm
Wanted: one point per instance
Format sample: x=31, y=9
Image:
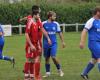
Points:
x=46, y=34
x=62, y=39
x=22, y=19
x=1, y=33
x=83, y=38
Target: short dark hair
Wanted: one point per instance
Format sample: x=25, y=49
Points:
x=97, y=9
x=50, y=13
x=35, y=10
x=35, y=7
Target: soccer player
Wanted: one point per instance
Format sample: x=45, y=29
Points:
x=33, y=48
x=39, y=24
x=2, y=57
x=92, y=26
x=51, y=26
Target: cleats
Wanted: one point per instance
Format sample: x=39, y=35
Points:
x=13, y=62
x=85, y=77
x=61, y=74
x=46, y=75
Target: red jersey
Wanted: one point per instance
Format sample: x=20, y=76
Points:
x=33, y=32
x=29, y=17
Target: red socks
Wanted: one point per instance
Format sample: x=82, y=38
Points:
x=36, y=70
x=26, y=67
x=31, y=70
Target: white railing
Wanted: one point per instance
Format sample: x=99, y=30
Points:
x=76, y=26
x=62, y=25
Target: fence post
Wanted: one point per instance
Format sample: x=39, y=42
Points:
x=63, y=27
x=20, y=29
x=76, y=27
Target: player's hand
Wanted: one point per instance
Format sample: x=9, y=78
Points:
x=82, y=45
x=49, y=42
x=63, y=45
x=33, y=48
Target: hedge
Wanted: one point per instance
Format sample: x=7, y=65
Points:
x=66, y=13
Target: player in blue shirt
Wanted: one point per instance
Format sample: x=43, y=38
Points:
x=52, y=27
x=93, y=28
x=2, y=57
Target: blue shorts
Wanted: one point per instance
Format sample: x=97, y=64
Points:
x=50, y=51
x=94, y=47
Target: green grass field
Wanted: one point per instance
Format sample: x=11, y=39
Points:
x=73, y=59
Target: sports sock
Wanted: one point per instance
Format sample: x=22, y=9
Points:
x=31, y=70
x=26, y=67
x=88, y=68
x=47, y=66
x=58, y=66
x=36, y=69
x=99, y=66
x=7, y=58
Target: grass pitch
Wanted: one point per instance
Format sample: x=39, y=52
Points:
x=73, y=60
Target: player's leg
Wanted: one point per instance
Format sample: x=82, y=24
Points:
x=88, y=68
x=47, y=61
x=7, y=58
x=97, y=54
x=47, y=67
x=37, y=68
x=93, y=48
x=26, y=69
x=98, y=61
x=56, y=62
x=58, y=66
x=31, y=69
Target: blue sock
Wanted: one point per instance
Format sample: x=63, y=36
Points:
x=47, y=66
x=99, y=66
x=58, y=66
x=5, y=58
x=88, y=68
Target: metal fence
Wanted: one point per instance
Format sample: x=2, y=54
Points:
x=63, y=26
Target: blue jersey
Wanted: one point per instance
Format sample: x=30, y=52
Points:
x=93, y=27
x=2, y=36
x=52, y=28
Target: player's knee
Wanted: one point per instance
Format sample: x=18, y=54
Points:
x=55, y=60
x=37, y=60
x=47, y=60
x=30, y=60
x=98, y=60
x=93, y=61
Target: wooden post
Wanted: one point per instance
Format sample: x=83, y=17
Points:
x=20, y=30
x=76, y=27
x=64, y=27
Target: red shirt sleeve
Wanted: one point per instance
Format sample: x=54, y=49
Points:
x=29, y=17
x=28, y=26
